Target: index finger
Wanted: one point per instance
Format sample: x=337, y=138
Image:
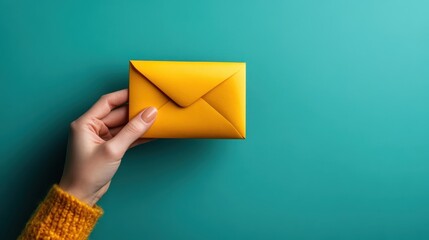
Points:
x=107, y=103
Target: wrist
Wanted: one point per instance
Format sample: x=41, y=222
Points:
x=87, y=198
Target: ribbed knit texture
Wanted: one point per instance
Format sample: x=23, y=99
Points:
x=61, y=216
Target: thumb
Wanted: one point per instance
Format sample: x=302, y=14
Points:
x=134, y=129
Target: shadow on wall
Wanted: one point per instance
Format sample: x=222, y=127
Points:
x=39, y=161
x=33, y=181
x=41, y=167
x=42, y=160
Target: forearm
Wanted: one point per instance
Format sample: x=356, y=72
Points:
x=61, y=216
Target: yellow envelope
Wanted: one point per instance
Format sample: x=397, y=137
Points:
x=194, y=99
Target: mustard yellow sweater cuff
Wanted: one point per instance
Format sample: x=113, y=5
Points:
x=61, y=216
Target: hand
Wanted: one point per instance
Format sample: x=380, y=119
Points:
x=97, y=142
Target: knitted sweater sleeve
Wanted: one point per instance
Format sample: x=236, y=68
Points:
x=61, y=216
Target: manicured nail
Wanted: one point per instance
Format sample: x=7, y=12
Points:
x=149, y=114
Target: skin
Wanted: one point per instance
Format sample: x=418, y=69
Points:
x=97, y=142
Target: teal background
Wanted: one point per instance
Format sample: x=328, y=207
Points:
x=337, y=119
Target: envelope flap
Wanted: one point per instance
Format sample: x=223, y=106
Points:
x=186, y=82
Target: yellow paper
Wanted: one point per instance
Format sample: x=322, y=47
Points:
x=194, y=99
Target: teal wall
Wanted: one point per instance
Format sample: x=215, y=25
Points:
x=338, y=116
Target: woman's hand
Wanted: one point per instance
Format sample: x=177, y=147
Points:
x=97, y=142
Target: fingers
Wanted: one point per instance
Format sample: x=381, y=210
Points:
x=117, y=117
x=115, y=130
x=106, y=103
x=134, y=129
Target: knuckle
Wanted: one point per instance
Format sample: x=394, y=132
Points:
x=106, y=99
x=134, y=127
x=112, y=151
x=74, y=125
x=104, y=96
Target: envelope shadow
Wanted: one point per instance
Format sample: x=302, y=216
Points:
x=167, y=157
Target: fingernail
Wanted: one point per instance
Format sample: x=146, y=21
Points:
x=149, y=114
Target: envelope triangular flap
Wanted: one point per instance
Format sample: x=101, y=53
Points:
x=186, y=82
